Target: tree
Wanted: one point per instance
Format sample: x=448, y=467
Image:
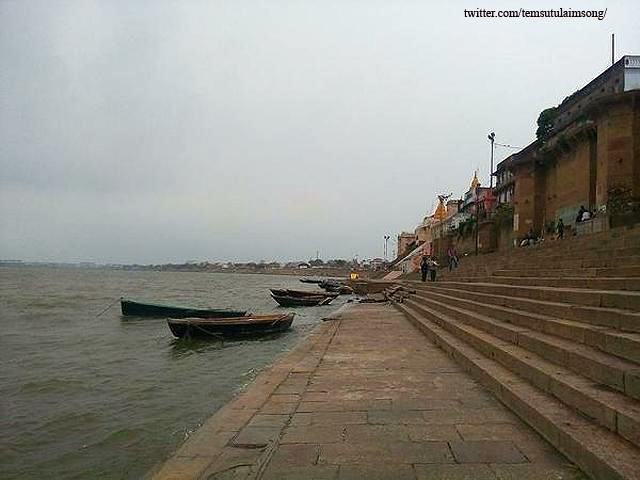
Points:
x=545, y=122
x=339, y=263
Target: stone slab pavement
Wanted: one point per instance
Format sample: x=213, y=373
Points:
x=366, y=396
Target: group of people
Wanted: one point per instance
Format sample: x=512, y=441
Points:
x=584, y=215
x=429, y=267
x=529, y=239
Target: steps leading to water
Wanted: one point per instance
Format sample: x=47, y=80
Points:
x=554, y=332
x=599, y=452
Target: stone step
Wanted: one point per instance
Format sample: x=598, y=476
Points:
x=610, y=409
x=571, y=272
x=621, y=344
x=482, y=266
x=606, y=239
x=601, y=367
x=595, y=251
x=620, y=299
x=572, y=245
x=609, y=283
x=561, y=262
x=598, y=452
x=618, y=319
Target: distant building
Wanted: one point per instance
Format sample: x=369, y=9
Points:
x=477, y=198
x=377, y=263
x=405, y=240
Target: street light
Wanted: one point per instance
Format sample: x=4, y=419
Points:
x=386, y=239
x=491, y=137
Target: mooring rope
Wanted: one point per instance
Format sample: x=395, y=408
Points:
x=110, y=305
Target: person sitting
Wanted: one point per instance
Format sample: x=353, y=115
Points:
x=586, y=215
x=529, y=239
x=580, y=214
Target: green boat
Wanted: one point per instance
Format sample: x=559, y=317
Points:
x=139, y=309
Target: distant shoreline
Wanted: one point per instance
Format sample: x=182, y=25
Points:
x=301, y=272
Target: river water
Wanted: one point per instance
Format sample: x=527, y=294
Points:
x=108, y=397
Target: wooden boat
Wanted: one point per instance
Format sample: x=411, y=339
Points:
x=300, y=293
x=230, y=327
x=129, y=307
x=308, y=301
x=336, y=286
x=311, y=280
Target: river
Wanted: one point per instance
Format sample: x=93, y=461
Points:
x=95, y=396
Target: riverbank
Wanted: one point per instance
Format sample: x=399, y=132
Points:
x=366, y=394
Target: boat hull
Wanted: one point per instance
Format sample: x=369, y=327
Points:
x=139, y=309
x=287, y=301
x=229, y=327
x=287, y=292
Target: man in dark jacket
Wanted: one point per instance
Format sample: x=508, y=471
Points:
x=424, y=268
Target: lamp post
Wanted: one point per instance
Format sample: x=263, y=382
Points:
x=491, y=137
x=477, y=225
x=386, y=239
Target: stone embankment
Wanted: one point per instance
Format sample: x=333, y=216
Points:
x=366, y=396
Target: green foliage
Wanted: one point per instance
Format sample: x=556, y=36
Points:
x=545, y=122
x=621, y=200
x=504, y=215
x=466, y=227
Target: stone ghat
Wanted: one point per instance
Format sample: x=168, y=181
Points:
x=366, y=396
x=554, y=332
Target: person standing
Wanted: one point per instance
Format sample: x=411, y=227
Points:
x=453, y=258
x=432, y=269
x=424, y=268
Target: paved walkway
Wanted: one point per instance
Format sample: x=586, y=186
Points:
x=366, y=397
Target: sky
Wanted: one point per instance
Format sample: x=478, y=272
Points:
x=168, y=131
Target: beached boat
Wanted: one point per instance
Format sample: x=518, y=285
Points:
x=307, y=301
x=230, y=327
x=329, y=285
x=129, y=307
x=300, y=293
x=335, y=286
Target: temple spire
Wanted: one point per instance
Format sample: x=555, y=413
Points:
x=475, y=183
x=441, y=211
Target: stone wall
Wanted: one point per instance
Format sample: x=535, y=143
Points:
x=566, y=181
x=524, y=204
x=616, y=154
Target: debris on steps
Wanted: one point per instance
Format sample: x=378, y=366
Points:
x=395, y=293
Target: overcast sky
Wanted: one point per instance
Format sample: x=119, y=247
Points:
x=156, y=131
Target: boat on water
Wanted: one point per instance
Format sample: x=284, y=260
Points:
x=130, y=307
x=230, y=327
x=311, y=280
x=303, y=301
